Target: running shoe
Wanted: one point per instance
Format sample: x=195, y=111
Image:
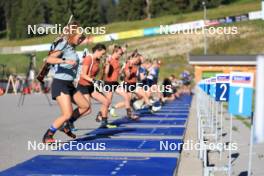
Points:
x=108, y=126
x=105, y=124
x=98, y=117
x=113, y=113
x=71, y=126
x=67, y=130
x=48, y=137
x=131, y=116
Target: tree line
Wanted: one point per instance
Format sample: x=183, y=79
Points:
x=15, y=15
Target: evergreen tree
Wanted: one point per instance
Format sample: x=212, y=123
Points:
x=13, y=14
x=228, y=1
x=2, y=17
x=161, y=8
x=104, y=7
x=87, y=12
x=60, y=11
x=31, y=13
x=131, y=10
x=47, y=11
x=198, y=4
x=123, y=10
x=136, y=10
x=111, y=13
x=17, y=14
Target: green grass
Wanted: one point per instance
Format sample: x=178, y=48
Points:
x=173, y=65
x=245, y=121
x=237, y=8
x=222, y=11
x=18, y=63
x=239, y=44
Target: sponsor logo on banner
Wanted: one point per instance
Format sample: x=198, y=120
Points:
x=212, y=23
x=222, y=79
x=254, y=15
x=242, y=79
x=181, y=27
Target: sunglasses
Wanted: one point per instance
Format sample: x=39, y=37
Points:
x=81, y=38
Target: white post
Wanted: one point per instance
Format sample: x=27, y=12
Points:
x=221, y=126
x=216, y=121
x=230, y=151
x=250, y=147
x=257, y=122
x=259, y=110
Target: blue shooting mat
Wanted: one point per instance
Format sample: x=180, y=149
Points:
x=180, y=104
x=157, y=115
x=124, y=131
x=185, y=99
x=176, y=107
x=51, y=165
x=97, y=144
x=165, y=111
x=126, y=121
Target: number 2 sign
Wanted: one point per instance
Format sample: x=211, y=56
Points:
x=222, y=87
x=240, y=94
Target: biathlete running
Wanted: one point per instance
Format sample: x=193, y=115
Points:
x=66, y=61
x=86, y=85
x=112, y=74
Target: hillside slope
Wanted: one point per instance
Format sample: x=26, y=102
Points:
x=173, y=49
x=240, y=7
